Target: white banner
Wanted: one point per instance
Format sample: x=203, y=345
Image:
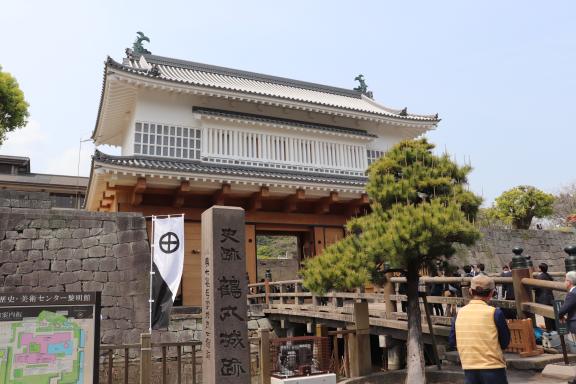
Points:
x=169, y=250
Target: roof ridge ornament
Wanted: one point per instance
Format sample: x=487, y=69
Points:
x=138, y=47
x=363, y=87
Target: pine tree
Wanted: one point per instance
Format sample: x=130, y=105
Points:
x=420, y=208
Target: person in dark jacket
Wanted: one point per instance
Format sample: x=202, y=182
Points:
x=568, y=309
x=545, y=296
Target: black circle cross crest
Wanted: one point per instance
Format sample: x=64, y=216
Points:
x=169, y=242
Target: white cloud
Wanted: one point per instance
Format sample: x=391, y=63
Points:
x=24, y=142
x=66, y=161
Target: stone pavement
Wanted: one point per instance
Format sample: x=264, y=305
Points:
x=527, y=376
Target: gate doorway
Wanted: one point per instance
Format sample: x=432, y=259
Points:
x=278, y=253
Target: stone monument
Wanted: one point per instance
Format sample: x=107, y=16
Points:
x=226, y=350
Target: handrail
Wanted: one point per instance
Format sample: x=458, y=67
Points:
x=537, y=283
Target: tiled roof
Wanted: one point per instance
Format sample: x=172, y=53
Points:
x=205, y=75
x=183, y=166
x=275, y=120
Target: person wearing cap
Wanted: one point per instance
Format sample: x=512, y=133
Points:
x=479, y=332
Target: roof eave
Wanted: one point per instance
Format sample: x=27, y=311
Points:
x=271, y=100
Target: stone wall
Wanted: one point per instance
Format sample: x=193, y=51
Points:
x=494, y=249
x=281, y=269
x=60, y=250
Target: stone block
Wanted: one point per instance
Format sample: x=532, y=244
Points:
x=108, y=301
x=41, y=224
x=123, y=324
x=57, y=223
x=63, y=233
x=174, y=326
x=71, y=243
x=97, y=251
x=109, y=227
x=40, y=265
x=4, y=256
x=74, y=287
x=8, y=268
x=34, y=254
x=90, y=264
x=125, y=236
x=18, y=256
x=124, y=263
x=29, y=233
x=122, y=250
x=11, y=234
x=110, y=238
x=65, y=254
x=73, y=265
x=125, y=302
x=7, y=245
x=95, y=231
x=189, y=324
x=80, y=253
x=23, y=244
x=54, y=244
x=107, y=264
x=48, y=254
x=101, y=277
x=30, y=279
x=48, y=279
x=116, y=276
x=92, y=286
x=85, y=275
x=68, y=278
x=38, y=243
x=138, y=222
x=89, y=242
x=141, y=250
x=80, y=233
x=25, y=267
x=12, y=281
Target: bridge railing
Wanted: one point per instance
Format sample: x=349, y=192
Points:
x=291, y=294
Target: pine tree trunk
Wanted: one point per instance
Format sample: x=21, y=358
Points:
x=415, y=358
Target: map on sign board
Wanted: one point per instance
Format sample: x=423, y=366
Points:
x=48, y=338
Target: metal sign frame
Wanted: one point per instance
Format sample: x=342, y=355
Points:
x=15, y=306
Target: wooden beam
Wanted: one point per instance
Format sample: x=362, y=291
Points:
x=219, y=198
x=139, y=188
x=257, y=197
x=180, y=194
x=291, y=202
x=323, y=205
x=356, y=204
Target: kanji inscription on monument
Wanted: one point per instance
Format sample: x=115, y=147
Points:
x=224, y=288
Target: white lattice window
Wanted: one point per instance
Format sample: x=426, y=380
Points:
x=374, y=155
x=167, y=141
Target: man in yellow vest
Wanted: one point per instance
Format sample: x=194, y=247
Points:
x=480, y=334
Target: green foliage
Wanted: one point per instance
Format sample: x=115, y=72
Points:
x=13, y=107
x=276, y=247
x=488, y=218
x=519, y=205
x=420, y=208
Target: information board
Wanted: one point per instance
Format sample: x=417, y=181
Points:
x=49, y=337
x=561, y=325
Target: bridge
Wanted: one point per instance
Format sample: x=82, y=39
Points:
x=288, y=302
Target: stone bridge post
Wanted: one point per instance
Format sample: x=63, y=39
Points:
x=359, y=342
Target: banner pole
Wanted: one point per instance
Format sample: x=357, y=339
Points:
x=150, y=300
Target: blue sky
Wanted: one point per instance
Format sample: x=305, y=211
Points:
x=501, y=74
